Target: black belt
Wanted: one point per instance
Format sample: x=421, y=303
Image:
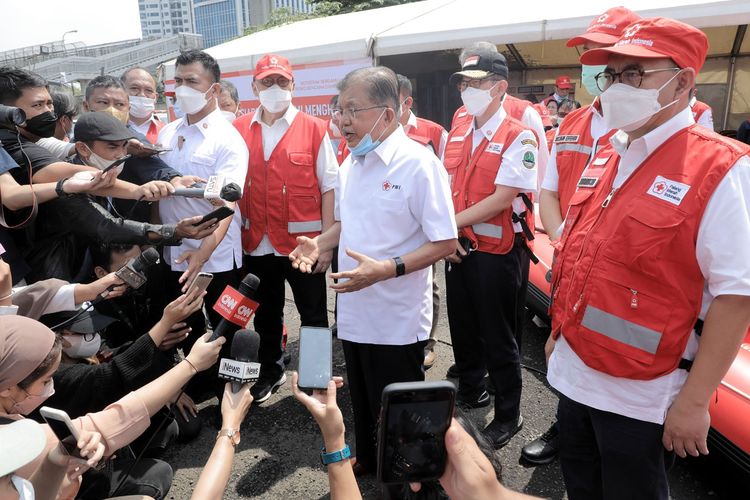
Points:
x=687, y=364
x=521, y=219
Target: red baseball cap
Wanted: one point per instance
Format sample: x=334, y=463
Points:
x=656, y=38
x=606, y=28
x=271, y=64
x=563, y=82
x=544, y=113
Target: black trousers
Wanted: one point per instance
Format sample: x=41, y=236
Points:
x=309, y=292
x=484, y=313
x=369, y=368
x=608, y=456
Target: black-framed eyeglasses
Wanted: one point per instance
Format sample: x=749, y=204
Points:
x=281, y=81
x=632, y=77
x=474, y=83
x=351, y=113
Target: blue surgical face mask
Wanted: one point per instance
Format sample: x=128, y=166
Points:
x=588, y=78
x=366, y=144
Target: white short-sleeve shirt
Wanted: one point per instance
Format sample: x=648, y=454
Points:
x=722, y=252
x=326, y=165
x=390, y=202
x=209, y=147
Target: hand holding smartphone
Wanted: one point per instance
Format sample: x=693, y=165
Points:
x=315, y=357
x=411, y=439
x=63, y=427
x=219, y=214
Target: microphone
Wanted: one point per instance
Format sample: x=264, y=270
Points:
x=132, y=273
x=215, y=189
x=243, y=367
x=236, y=307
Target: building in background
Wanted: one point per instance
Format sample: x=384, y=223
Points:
x=164, y=18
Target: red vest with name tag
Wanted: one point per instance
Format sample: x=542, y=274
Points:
x=627, y=287
x=473, y=179
x=281, y=196
x=574, y=147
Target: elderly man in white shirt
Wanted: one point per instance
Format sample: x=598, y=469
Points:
x=394, y=220
x=202, y=143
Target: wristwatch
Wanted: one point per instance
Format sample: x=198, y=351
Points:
x=400, y=266
x=232, y=434
x=59, y=188
x=334, y=456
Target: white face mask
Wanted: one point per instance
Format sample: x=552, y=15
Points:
x=229, y=116
x=628, y=108
x=275, y=99
x=141, y=107
x=477, y=100
x=191, y=101
x=80, y=347
x=94, y=160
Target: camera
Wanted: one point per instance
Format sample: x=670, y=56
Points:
x=11, y=116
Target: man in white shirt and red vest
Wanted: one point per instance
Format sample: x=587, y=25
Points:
x=579, y=137
x=288, y=193
x=702, y=112
x=492, y=163
x=563, y=86
x=141, y=88
x=651, y=288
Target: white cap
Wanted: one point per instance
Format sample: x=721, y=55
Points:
x=20, y=443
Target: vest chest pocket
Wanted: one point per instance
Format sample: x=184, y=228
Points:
x=482, y=182
x=301, y=170
x=643, y=236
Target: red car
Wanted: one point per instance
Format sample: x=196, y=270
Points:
x=730, y=408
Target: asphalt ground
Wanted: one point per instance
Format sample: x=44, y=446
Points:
x=278, y=456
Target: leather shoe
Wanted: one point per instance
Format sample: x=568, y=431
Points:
x=543, y=449
x=452, y=371
x=429, y=358
x=499, y=433
x=479, y=401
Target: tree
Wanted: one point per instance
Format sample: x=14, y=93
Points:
x=321, y=8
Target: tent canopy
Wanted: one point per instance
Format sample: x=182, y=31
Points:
x=433, y=25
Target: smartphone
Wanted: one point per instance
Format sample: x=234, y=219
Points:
x=63, y=427
x=156, y=149
x=411, y=438
x=315, y=357
x=116, y=163
x=201, y=282
x=218, y=214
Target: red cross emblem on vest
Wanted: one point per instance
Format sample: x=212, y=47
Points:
x=660, y=187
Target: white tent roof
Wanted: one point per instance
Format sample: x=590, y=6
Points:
x=432, y=25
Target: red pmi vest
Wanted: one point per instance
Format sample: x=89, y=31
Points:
x=281, y=196
x=473, y=179
x=430, y=130
x=627, y=287
x=574, y=147
x=698, y=109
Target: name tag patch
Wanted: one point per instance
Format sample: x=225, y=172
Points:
x=495, y=148
x=562, y=139
x=588, y=182
x=667, y=190
x=456, y=138
x=601, y=160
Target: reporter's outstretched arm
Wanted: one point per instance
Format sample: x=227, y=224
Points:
x=324, y=409
x=213, y=479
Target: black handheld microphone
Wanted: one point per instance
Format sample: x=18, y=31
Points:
x=214, y=189
x=243, y=367
x=236, y=306
x=132, y=273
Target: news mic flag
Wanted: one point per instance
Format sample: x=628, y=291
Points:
x=236, y=307
x=243, y=367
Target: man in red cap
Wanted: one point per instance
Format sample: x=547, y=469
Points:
x=580, y=135
x=562, y=90
x=651, y=288
x=288, y=193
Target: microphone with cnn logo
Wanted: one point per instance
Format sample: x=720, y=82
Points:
x=236, y=307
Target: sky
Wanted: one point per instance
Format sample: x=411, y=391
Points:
x=33, y=22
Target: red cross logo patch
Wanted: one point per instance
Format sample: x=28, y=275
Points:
x=386, y=186
x=660, y=187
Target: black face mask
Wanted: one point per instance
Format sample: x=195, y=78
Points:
x=42, y=125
